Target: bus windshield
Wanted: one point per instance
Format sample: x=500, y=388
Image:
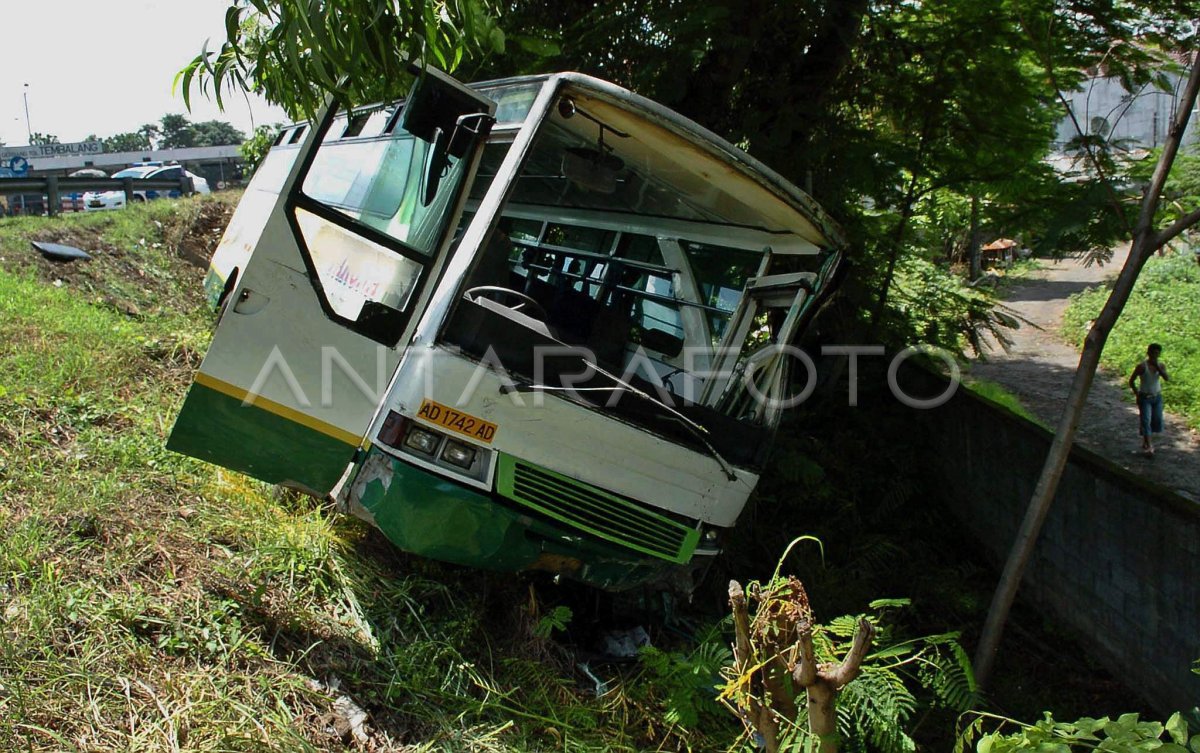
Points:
x=611, y=242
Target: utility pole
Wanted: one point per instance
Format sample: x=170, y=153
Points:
x=29, y=135
x=28, y=129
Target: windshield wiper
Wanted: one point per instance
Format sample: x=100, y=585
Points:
x=695, y=429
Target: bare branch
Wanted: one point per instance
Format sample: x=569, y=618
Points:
x=741, y=625
x=851, y=665
x=805, y=673
x=759, y=714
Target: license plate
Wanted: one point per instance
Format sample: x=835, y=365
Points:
x=457, y=421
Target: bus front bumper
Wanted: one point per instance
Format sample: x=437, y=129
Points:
x=425, y=514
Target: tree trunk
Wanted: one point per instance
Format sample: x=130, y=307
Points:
x=775, y=666
x=822, y=716
x=1145, y=242
x=906, y=213
x=974, y=241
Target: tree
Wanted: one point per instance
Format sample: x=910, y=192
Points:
x=256, y=147
x=127, y=142
x=763, y=74
x=294, y=51
x=152, y=133
x=802, y=685
x=177, y=132
x=878, y=106
x=216, y=133
x=42, y=138
x=1146, y=240
x=785, y=663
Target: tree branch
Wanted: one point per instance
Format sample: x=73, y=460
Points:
x=851, y=665
x=805, y=673
x=1170, y=147
x=1168, y=234
x=741, y=625
x=1048, y=65
x=759, y=714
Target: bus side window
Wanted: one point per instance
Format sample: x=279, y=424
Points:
x=354, y=271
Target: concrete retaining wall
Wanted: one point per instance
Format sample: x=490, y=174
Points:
x=1118, y=558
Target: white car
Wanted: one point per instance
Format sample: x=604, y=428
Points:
x=94, y=201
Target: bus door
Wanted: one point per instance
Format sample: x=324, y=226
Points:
x=753, y=369
x=313, y=328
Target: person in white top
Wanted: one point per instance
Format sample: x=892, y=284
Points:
x=1148, y=394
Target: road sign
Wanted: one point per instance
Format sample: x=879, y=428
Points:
x=53, y=150
x=13, y=166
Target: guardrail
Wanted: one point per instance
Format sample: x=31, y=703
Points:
x=54, y=187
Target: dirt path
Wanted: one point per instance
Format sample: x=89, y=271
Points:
x=1040, y=365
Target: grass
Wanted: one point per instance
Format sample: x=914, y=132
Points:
x=149, y=602
x=1020, y=269
x=1161, y=309
x=1000, y=395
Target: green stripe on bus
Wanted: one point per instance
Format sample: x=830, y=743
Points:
x=433, y=516
x=219, y=429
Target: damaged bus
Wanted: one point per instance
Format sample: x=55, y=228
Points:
x=531, y=324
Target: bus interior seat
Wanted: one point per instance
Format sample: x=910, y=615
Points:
x=609, y=335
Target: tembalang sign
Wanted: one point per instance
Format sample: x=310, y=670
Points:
x=53, y=150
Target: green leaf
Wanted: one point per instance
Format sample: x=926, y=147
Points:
x=233, y=21
x=891, y=652
x=496, y=40
x=540, y=47
x=1177, y=728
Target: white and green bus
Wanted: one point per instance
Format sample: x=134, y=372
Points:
x=530, y=324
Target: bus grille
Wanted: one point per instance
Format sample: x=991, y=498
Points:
x=616, y=519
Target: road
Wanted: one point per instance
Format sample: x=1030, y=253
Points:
x=1040, y=364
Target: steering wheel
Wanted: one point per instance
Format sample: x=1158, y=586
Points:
x=495, y=291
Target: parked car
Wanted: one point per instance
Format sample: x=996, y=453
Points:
x=94, y=201
x=30, y=204
x=73, y=201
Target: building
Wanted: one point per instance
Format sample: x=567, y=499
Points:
x=221, y=166
x=1131, y=121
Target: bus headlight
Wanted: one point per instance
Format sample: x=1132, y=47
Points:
x=422, y=441
x=459, y=454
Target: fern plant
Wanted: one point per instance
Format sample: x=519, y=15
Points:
x=875, y=710
x=686, y=683
x=900, y=678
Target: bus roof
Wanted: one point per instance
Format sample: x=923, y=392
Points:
x=706, y=163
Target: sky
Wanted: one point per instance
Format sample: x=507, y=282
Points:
x=106, y=66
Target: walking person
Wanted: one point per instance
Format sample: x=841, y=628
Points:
x=1148, y=394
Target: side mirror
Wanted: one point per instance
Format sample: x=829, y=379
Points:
x=469, y=129
x=439, y=102
x=450, y=117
